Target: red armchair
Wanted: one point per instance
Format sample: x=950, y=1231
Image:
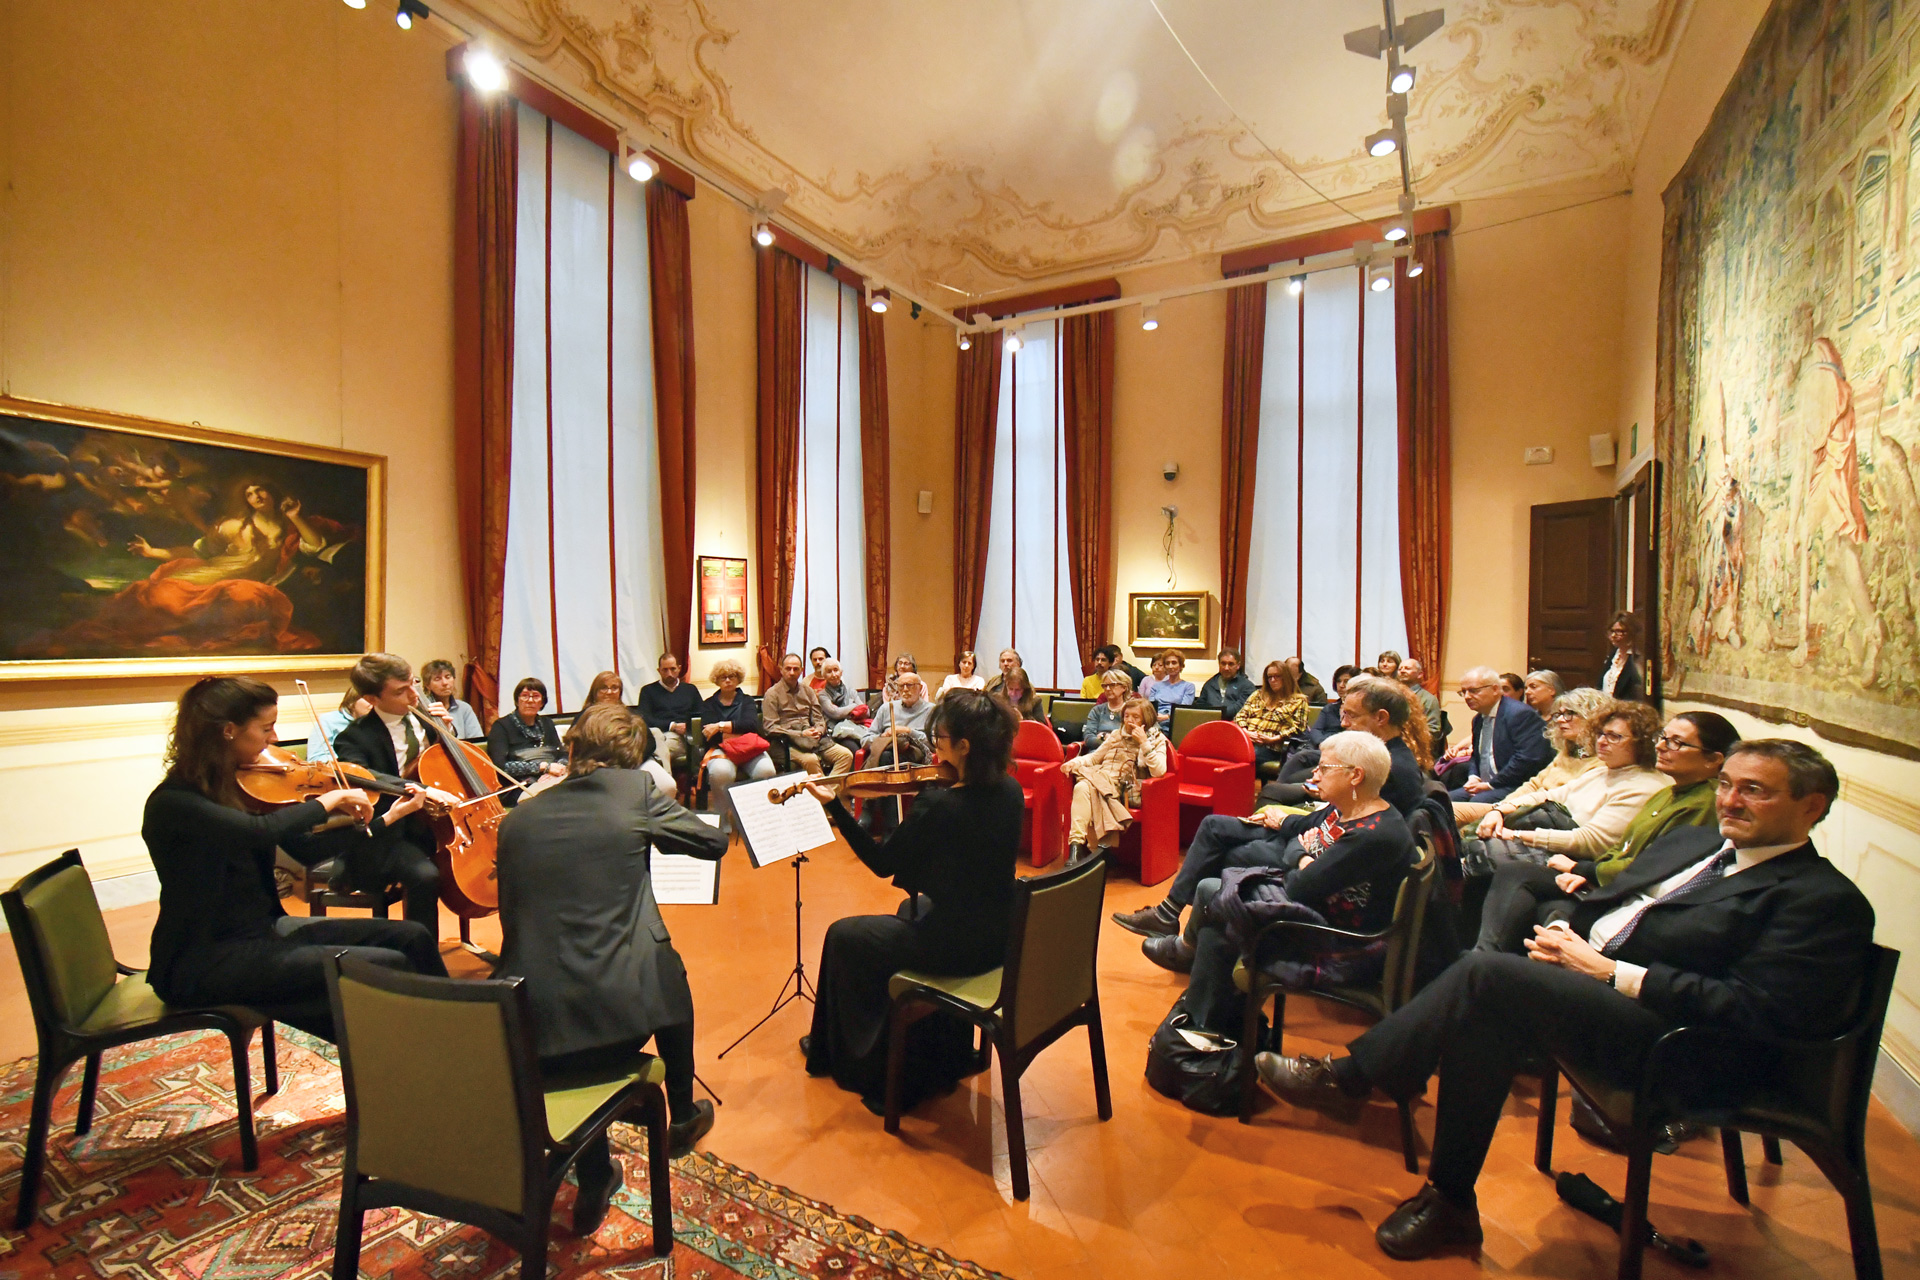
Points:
x=1216, y=774
x=1037, y=757
x=1153, y=841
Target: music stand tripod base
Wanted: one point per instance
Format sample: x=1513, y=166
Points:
x=796, y=978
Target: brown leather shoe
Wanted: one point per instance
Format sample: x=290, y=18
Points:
x=1170, y=953
x=1426, y=1224
x=1147, y=922
x=1308, y=1082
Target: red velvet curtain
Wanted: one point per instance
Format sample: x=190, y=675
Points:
x=976, y=411
x=486, y=197
x=1426, y=450
x=874, y=478
x=1086, y=367
x=781, y=317
x=670, y=268
x=1239, y=450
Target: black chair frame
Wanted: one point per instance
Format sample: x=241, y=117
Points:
x=1820, y=1107
x=542, y=1171
x=61, y=1045
x=910, y=1006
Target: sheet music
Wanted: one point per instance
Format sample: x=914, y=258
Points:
x=777, y=831
x=680, y=881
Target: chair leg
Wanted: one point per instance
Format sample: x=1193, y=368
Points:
x=46, y=1083
x=533, y=1258
x=1735, y=1156
x=1633, y=1216
x=241, y=1039
x=659, y=1174
x=1409, y=1136
x=1549, y=1116
x=1097, y=1042
x=1848, y=1174
x=1771, y=1146
x=1016, y=1123
x=346, y=1236
x=896, y=1058
x=89, y=1085
x=270, y=1058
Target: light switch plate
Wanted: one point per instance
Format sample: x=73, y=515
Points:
x=925, y=506
x=1539, y=456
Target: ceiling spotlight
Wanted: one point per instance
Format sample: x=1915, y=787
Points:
x=1013, y=340
x=966, y=339
x=410, y=12
x=1383, y=143
x=878, y=301
x=485, y=71
x=1380, y=276
x=1415, y=267
x=762, y=234
x=1401, y=81
x=639, y=167
x=1395, y=229
x=1412, y=30
x=1296, y=285
x=1149, y=316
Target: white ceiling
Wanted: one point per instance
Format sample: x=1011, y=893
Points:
x=979, y=146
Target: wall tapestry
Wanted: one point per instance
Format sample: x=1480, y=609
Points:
x=1789, y=381
x=133, y=547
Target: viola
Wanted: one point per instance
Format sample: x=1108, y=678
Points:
x=278, y=779
x=874, y=784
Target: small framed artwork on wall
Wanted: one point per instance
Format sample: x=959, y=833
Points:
x=1170, y=620
x=723, y=601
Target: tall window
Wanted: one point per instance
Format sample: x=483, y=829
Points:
x=1027, y=600
x=584, y=589
x=829, y=575
x=1323, y=569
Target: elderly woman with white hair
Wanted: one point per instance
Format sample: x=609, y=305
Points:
x=1570, y=730
x=1345, y=860
x=728, y=714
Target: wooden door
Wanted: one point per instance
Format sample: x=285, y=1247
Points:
x=1570, y=596
x=1636, y=546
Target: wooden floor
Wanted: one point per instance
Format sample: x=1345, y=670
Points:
x=1158, y=1190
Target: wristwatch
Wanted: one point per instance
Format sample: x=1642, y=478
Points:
x=1613, y=976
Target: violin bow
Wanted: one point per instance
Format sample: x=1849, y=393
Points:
x=333, y=757
x=443, y=734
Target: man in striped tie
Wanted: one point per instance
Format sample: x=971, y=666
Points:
x=1745, y=927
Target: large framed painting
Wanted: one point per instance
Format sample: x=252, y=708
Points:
x=135, y=547
x=1788, y=394
x=723, y=601
x=1159, y=620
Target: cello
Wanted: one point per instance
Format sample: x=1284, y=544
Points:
x=466, y=846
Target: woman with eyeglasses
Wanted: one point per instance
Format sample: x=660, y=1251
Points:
x=1570, y=728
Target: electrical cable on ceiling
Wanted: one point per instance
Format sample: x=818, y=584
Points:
x=1541, y=213
x=1166, y=544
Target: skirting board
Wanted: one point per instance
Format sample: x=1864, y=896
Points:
x=1899, y=1091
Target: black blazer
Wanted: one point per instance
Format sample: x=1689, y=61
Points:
x=366, y=742
x=577, y=912
x=1520, y=747
x=1632, y=684
x=1774, y=950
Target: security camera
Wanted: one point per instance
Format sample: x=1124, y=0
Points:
x=1171, y=470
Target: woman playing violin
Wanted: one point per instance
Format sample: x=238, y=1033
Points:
x=954, y=856
x=222, y=937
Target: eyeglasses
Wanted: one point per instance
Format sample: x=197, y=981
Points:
x=1667, y=742
x=1476, y=688
x=1564, y=715
x=1608, y=735
x=1746, y=790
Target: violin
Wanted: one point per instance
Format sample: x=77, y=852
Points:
x=873, y=784
x=278, y=779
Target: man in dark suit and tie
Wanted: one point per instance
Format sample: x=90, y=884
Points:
x=388, y=740
x=1509, y=740
x=1746, y=928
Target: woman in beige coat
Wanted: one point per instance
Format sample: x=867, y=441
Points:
x=1107, y=781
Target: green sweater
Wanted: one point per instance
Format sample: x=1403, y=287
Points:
x=1688, y=807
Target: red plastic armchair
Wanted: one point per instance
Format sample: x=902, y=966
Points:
x=1216, y=774
x=1036, y=766
x=1153, y=841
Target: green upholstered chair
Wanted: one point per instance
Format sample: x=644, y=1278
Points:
x=447, y=1112
x=1047, y=987
x=85, y=1002
x=1187, y=719
x=1069, y=717
x=1394, y=987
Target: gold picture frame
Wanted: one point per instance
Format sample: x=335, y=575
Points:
x=289, y=566
x=1180, y=620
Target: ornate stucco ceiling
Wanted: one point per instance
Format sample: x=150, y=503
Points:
x=973, y=148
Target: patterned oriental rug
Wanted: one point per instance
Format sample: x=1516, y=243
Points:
x=156, y=1191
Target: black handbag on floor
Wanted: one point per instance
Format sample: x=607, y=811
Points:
x=1198, y=1069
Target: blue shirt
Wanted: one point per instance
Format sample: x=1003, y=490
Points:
x=1101, y=721
x=320, y=741
x=1165, y=695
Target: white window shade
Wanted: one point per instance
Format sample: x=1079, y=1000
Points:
x=829, y=561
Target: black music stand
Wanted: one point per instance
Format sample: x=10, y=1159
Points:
x=796, y=985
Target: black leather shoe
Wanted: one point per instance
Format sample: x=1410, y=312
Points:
x=1148, y=922
x=1426, y=1224
x=590, y=1210
x=683, y=1134
x=1307, y=1082
x=1170, y=953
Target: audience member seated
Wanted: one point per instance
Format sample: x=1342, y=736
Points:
x=1539, y=689
x=1623, y=677
x=1581, y=818
x=1228, y=690
x=608, y=687
x=1167, y=690
x=817, y=659
x=1387, y=664
x=846, y=710
x=1570, y=730
x=910, y=713
x=1689, y=753
x=1513, y=685
x=1017, y=692
x=1413, y=674
x=1107, y=780
x=1307, y=684
x=1274, y=714
x=902, y=665
x=320, y=741
x=1780, y=949
x=438, y=679
x=1327, y=723
x=668, y=706
x=1344, y=861
x=726, y=715
x=965, y=675
x=523, y=744
x=796, y=726
x=1385, y=709
x=1115, y=690
x=1105, y=658
x=1509, y=739
x=1009, y=663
